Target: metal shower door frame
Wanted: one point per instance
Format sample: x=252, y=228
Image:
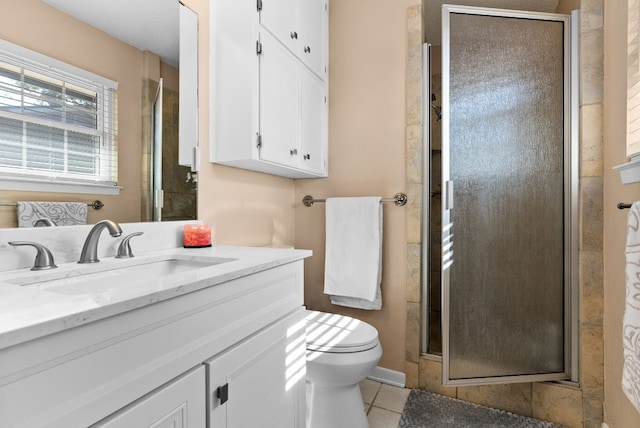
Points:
x=570, y=150
x=157, y=193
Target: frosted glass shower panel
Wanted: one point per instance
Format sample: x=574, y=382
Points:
x=507, y=160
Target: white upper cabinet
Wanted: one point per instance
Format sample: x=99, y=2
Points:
x=293, y=126
x=279, y=103
x=300, y=25
x=313, y=123
x=269, y=86
x=280, y=18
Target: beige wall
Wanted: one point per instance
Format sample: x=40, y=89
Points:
x=619, y=413
x=566, y=6
x=366, y=153
x=366, y=157
x=39, y=27
x=366, y=140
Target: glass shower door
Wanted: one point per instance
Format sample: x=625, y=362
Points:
x=506, y=236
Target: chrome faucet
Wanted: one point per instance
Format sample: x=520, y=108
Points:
x=90, y=249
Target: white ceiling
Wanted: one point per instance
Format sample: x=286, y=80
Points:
x=433, y=11
x=152, y=25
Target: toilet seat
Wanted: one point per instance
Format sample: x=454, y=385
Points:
x=338, y=333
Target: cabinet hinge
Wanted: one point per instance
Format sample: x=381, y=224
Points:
x=259, y=5
x=258, y=140
x=258, y=47
x=223, y=393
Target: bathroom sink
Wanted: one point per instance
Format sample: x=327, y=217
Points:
x=99, y=277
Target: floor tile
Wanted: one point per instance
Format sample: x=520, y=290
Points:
x=369, y=389
x=382, y=418
x=391, y=398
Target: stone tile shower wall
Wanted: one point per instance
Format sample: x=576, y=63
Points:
x=567, y=404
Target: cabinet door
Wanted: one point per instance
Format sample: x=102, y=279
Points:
x=313, y=24
x=179, y=404
x=262, y=380
x=278, y=103
x=313, y=123
x=279, y=17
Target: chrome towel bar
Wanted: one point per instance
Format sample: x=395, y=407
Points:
x=400, y=199
x=96, y=205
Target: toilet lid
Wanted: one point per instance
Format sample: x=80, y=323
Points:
x=338, y=333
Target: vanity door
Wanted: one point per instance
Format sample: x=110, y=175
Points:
x=260, y=383
x=178, y=404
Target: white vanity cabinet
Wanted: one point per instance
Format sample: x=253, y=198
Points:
x=270, y=86
x=145, y=366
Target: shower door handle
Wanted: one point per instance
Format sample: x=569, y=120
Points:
x=448, y=195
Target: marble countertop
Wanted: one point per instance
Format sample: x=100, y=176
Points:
x=33, y=311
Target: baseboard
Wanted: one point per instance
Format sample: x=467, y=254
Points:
x=390, y=377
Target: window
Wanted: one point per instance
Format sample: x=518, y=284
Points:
x=57, y=124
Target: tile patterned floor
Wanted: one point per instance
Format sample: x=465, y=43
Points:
x=383, y=403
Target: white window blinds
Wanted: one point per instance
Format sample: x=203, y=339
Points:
x=57, y=122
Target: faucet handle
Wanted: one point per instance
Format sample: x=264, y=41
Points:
x=44, y=258
x=124, y=249
x=44, y=221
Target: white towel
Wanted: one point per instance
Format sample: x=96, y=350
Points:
x=631, y=319
x=353, y=259
x=61, y=213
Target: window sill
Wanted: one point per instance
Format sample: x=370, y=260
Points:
x=35, y=185
x=630, y=171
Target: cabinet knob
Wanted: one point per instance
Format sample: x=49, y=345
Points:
x=293, y=152
x=294, y=35
x=307, y=49
x=307, y=156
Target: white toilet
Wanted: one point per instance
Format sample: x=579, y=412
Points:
x=341, y=351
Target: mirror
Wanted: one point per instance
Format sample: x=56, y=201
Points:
x=108, y=38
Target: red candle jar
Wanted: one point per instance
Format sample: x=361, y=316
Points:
x=197, y=236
